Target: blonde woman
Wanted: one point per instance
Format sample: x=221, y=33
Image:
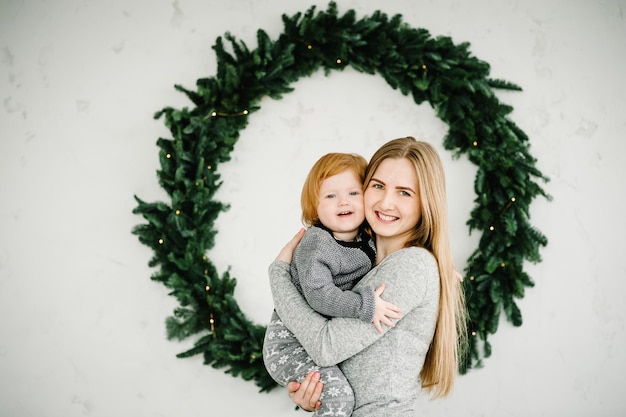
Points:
x=406, y=210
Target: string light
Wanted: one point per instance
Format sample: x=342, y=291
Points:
x=338, y=61
x=492, y=228
x=475, y=143
x=168, y=155
x=207, y=288
x=161, y=241
x=212, y=323
x=309, y=47
x=223, y=114
x=178, y=212
x=509, y=204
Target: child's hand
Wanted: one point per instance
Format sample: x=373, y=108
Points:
x=384, y=311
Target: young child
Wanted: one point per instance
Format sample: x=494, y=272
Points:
x=331, y=258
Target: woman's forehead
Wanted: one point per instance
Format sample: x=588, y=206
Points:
x=397, y=170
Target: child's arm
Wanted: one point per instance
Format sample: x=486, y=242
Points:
x=325, y=297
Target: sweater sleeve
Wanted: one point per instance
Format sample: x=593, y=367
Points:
x=408, y=275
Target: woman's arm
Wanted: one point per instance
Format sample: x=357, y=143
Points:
x=408, y=275
x=311, y=328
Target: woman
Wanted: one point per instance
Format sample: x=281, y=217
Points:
x=405, y=207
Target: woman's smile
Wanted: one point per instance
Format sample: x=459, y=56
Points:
x=384, y=217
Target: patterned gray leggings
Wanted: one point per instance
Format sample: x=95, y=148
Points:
x=286, y=361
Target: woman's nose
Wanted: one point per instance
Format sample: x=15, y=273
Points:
x=387, y=201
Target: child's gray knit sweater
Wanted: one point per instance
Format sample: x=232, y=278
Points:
x=325, y=270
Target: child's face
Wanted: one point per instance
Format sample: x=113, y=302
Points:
x=340, y=206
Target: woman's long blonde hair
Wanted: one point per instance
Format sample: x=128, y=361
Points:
x=442, y=360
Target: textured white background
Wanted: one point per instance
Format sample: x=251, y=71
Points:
x=81, y=324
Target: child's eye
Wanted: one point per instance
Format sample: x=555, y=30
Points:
x=330, y=196
x=354, y=193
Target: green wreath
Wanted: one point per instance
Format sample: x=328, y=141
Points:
x=457, y=86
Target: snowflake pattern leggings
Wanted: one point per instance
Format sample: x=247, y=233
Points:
x=286, y=361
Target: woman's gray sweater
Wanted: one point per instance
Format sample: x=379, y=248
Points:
x=383, y=369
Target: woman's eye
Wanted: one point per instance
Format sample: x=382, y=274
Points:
x=405, y=193
x=378, y=186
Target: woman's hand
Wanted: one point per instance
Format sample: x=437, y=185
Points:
x=306, y=394
x=286, y=253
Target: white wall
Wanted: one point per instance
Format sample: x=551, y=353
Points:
x=81, y=324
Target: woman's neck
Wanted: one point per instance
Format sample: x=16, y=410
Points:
x=387, y=246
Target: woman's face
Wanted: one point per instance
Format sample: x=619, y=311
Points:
x=391, y=199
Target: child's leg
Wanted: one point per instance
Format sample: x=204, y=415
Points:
x=286, y=360
x=337, y=396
